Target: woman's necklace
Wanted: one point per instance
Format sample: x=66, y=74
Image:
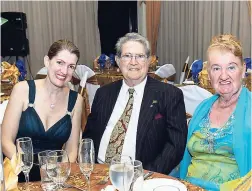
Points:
x=53, y=103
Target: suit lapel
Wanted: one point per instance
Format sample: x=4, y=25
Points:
x=146, y=112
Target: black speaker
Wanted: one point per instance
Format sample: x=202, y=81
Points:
x=13, y=35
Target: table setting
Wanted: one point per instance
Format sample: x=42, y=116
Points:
x=57, y=173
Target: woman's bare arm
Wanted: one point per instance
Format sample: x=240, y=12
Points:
x=12, y=116
x=73, y=141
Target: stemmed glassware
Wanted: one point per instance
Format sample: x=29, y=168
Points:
x=58, y=167
x=86, y=158
x=137, y=182
x=25, y=154
x=121, y=172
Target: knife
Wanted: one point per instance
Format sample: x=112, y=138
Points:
x=147, y=175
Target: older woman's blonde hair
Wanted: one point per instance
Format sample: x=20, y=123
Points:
x=226, y=42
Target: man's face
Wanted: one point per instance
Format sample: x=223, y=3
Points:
x=133, y=63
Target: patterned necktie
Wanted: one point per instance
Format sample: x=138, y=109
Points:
x=118, y=134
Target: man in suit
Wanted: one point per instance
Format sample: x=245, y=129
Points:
x=148, y=123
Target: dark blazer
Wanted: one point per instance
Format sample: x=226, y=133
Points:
x=161, y=131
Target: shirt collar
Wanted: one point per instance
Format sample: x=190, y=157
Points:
x=139, y=88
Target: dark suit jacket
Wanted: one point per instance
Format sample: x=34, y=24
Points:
x=161, y=131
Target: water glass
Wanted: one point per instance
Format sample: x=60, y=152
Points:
x=166, y=188
x=137, y=182
x=46, y=182
x=25, y=152
x=86, y=158
x=121, y=172
x=58, y=167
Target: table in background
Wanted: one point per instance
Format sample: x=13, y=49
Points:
x=100, y=172
x=108, y=76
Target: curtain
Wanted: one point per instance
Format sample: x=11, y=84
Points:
x=187, y=27
x=250, y=11
x=48, y=21
x=152, y=22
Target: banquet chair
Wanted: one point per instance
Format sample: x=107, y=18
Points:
x=2, y=110
x=193, y=96
x=91, y=83
x=168, y=72
x=42, y=73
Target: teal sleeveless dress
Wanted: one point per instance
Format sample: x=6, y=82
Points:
x=54, y=138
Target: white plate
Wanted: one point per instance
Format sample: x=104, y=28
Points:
x=150, y=184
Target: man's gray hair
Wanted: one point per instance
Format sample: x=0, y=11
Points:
x=132, y=37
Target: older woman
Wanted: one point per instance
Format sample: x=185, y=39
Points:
x=219, y=138
x=46, y=110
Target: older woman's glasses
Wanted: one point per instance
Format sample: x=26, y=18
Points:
x=140, y=58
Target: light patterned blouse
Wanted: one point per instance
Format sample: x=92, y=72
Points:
x=213, y=161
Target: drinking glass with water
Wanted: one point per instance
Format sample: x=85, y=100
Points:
x=121, y=172
x=25, y=152
x=58, y=167
x=46, y=182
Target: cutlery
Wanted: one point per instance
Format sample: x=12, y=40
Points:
x=147, y=175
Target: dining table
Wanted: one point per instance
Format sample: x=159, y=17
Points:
x=99, y=180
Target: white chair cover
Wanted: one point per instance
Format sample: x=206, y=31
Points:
x=165, y=71
x=193, y=96
x=2, y=110
x=42, y=71
x=80, y=71
x=91, y=88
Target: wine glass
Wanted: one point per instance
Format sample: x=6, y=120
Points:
x=137, y=182
x=86, y=158
x=121, y=172
x=25, y=154
x=58, y=167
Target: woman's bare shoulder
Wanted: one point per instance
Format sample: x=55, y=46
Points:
x=20, y=87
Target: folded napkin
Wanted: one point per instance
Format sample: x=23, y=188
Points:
x=21, y=67
x=9, y=72
x=197, y=66
x=165, y=71
x=248, y=63
x=112, y=59
x=11, y=169
x=102, y=60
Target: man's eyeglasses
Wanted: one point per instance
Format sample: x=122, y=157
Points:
x=140, y=58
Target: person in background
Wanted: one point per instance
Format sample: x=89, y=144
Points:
x=46, y=110
x=138, y=116
x=219, y=138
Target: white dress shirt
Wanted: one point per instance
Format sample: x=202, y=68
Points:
x=129, y=146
